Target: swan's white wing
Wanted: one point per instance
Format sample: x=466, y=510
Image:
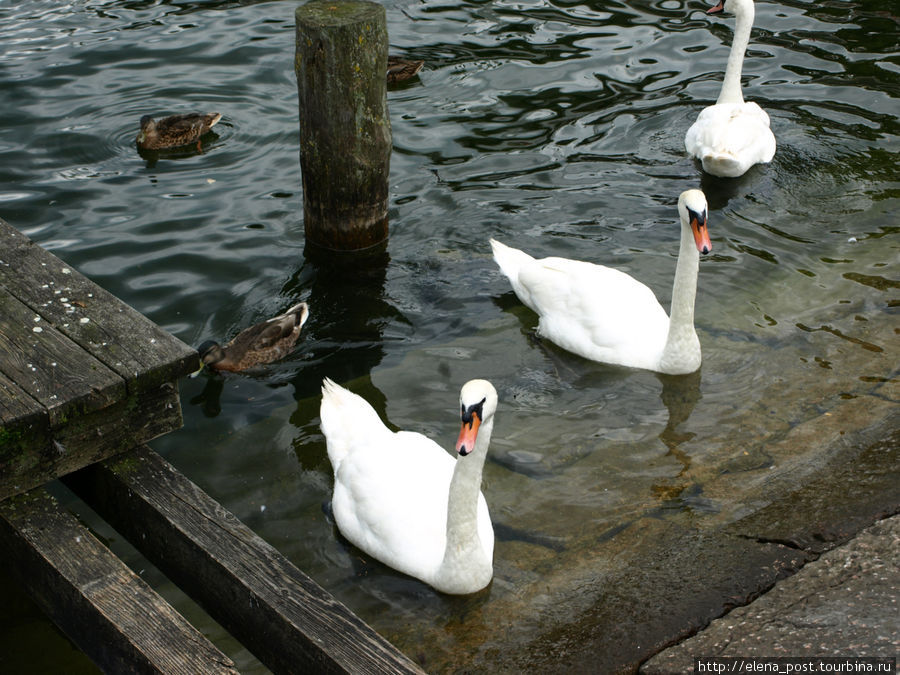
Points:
x=390, y=500
x=595, y=311
x=510, y=261
x=347, y=420
x=729, y=138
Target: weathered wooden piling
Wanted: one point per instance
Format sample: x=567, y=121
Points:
x=345, y=129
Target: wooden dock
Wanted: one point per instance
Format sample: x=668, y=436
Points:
x=85, y=382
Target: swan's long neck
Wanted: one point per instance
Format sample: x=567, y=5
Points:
x=464, y=548
x=731, y=83
x=682, y=352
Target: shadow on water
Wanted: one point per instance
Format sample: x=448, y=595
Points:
x=209, y=399
x=680, y=395
x=348, y=313
x=720, y=191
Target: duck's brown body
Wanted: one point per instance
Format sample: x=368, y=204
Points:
x=399, y=69
x=263, y=343
x=175, y=131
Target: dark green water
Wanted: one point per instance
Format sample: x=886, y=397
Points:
x=556, y=127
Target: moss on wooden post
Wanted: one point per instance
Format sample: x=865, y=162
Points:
x=345, y=130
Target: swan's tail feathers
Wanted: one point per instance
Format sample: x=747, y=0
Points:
x=723, y=165
x=347, y=420
x=510, y=260
x=331, y=390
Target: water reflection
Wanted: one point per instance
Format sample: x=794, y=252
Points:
x=680, y=394
x=209, y=399
x=348, y=313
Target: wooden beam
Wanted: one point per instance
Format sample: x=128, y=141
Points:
x=82, y=375
x=31, y=453
x=50, y=367
x=287, y=620
x=107, y=610
x=96, y=436
x=115, y=334
x=31, y=428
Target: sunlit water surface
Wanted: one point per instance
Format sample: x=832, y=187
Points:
x=556, y=127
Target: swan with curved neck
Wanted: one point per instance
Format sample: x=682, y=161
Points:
x=606, y=315
x=732, y=135
x=402, y=499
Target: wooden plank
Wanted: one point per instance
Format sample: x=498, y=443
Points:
x=92, y=365
x=280, y=614
x=107, y=610
x=51, y=368
x=63, y=421
x=112, y=332
x=33, y=456
x=24, y=427
x=16, y=404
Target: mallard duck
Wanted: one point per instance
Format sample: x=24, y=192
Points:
x=605, y=315
x=401, y=498
x=400, y=69
x=175, y=131
x=732, y=135
x=263, y=343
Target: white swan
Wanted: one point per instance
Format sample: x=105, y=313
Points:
x=605, y=315
x=403, y=500
x=732, y=135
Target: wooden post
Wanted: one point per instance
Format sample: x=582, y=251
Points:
x=345, y=129
x=105, y=608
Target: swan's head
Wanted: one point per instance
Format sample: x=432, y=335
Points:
x=477, y=403
x=692, y=208
x=732, y=7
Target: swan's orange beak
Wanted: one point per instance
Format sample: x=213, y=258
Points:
x=718, y=8
x=701, y=233
x=466, y=441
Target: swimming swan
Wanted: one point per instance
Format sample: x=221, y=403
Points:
x=605, y=315
x=732, y=135
x=403, y=499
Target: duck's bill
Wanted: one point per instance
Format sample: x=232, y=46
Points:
x=198, y=371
